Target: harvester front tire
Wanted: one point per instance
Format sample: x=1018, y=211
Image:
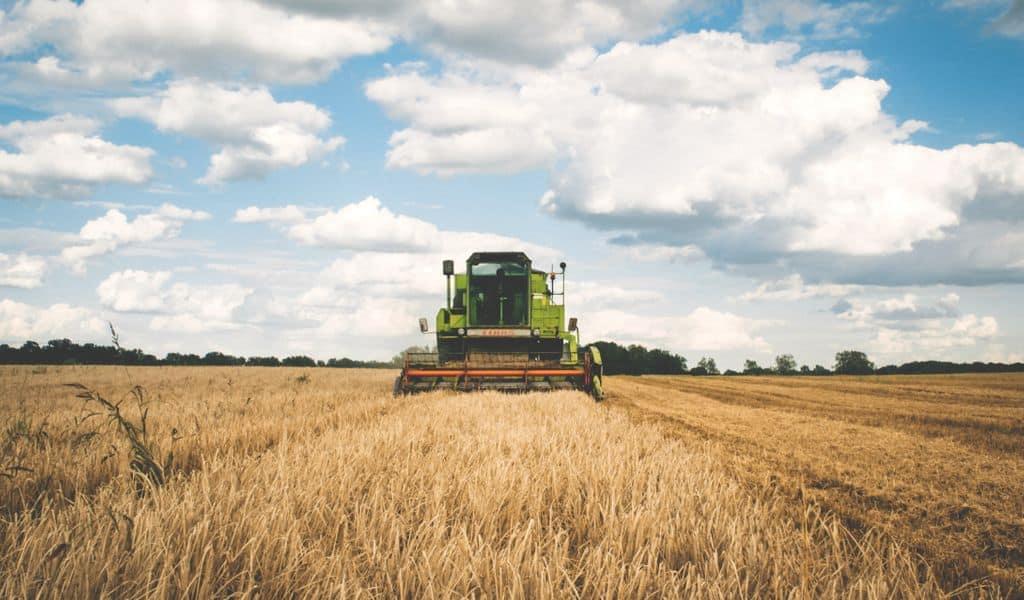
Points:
x=596, y=390
x=396, y=389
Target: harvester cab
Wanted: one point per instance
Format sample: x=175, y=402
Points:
x=503, y=327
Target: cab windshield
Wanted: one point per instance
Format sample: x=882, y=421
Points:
x=498, y=294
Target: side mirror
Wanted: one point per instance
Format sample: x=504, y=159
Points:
x=424, y=326
x=572, y=323
x=448, y=267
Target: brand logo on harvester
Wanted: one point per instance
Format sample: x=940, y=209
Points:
x=495, y=332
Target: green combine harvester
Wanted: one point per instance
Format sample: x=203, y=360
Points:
x=505, y=329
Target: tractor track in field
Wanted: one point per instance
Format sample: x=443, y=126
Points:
x=919, y=490
x=987, y=427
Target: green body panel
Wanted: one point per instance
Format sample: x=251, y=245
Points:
x=544, y=319
x=502, y=329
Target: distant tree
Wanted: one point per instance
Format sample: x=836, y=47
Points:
x=820, y=370
x=262, y=361
x=399, y=359
x=750, y=367
x=348, y=363
x=637, y=355
x=221, y=359
x=174, y=358
x=805, y=370
x=730, y=372
x=853, y=362
x=298, y=361
x=61, y=351
x=698, y=370
x=785, y=364
x=662, y=362
x=638, y=360
x=708, y=364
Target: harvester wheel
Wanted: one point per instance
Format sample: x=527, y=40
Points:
x=596, y=390
x=396, y=389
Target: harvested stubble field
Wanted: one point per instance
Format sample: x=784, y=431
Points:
x=291, y=482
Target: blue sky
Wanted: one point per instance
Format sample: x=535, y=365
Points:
x=737, y=180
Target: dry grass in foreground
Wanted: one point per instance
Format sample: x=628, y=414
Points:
x=935, y=462
x=283, y=482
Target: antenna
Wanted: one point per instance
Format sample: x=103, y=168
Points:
x=562, y=266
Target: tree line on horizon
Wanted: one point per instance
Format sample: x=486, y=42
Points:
x=66, y=352
x=632, y=359
x=635, y=359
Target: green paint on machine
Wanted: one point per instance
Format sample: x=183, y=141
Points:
x=503, y=327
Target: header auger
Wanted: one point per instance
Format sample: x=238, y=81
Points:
x=503, y=329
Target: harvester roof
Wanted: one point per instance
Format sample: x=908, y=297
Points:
x=479, y=257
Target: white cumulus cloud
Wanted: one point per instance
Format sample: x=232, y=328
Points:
x=366, y=225
x=524, y=32
x=114, y=229
x=19, y=322
x=749, y=151
x=64, y=156
x=936, y=338
x=193, y=307
x=256, y=133
x=703, y=329
x=131, y=290
x=22, y=270
x=908, y=326
x=103, y=41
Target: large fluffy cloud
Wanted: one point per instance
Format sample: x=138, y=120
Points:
x=896, y=312
x=180, y=306
x=369, y=226
x=124, y=40
x=364, y=225
x=934, y=339
x=908, y=326
x=22, y=271
x=63, y=156
x=114, y=229
x=528, y=31
x=256, y=134
x=19, y=322
x=750, y=151
x=101, y=41
x=703, y=329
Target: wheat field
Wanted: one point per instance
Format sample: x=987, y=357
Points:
x=277, y=482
